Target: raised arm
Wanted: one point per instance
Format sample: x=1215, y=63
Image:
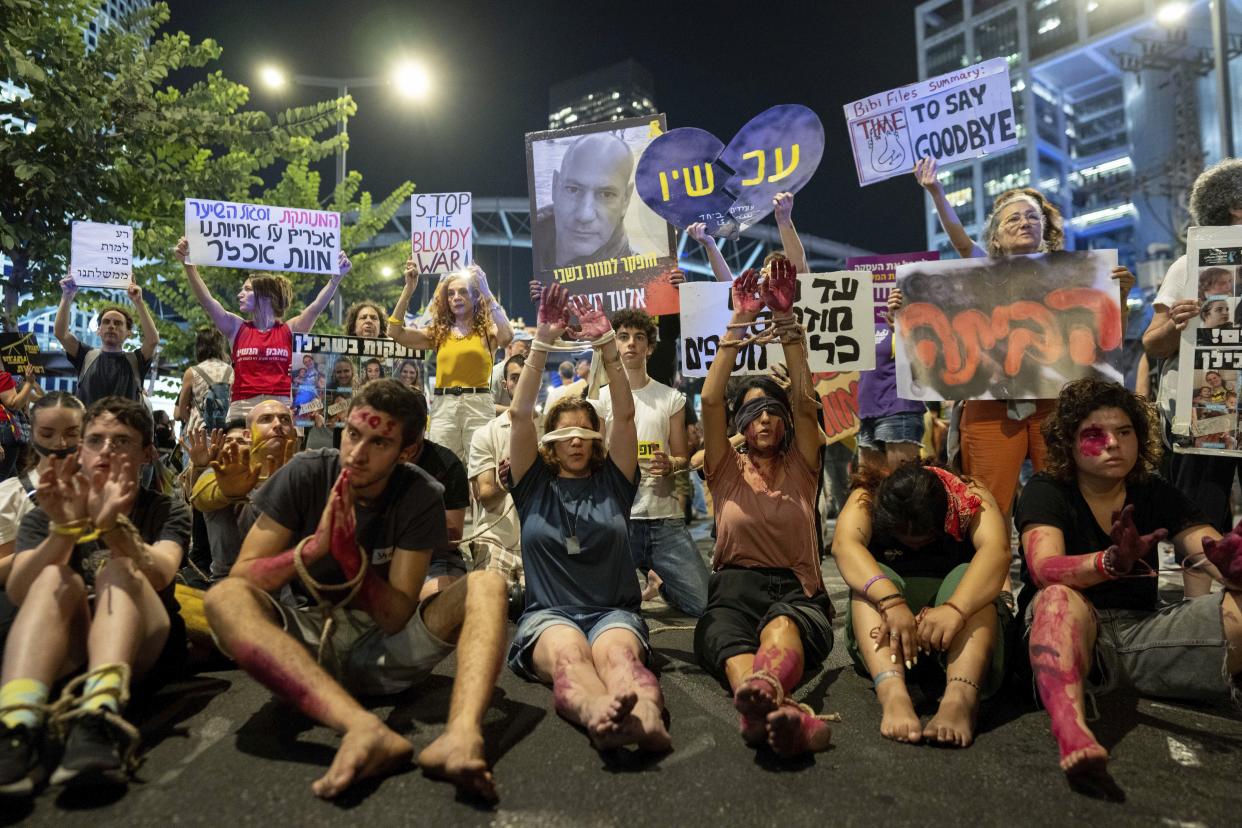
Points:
x=150, y=333
x=778, y=294
x=925, y=172
x=304, y=321
x=746, y=306
x=622, y=433
x=60, y=328
x=523, y=440
x=720, y=267
x=228, y=323
x=504, y=330
x=409, y=337
x=789, y=235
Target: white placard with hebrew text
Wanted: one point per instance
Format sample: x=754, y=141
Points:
x=102, y=255
x=259, y=237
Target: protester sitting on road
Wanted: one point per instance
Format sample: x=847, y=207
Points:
x=467, y=326
x=93, y=580
x=581, y=632
x=447, y=562
x=1090, y=525
x=244, y=464
x=356, y=527
x=768, y=614
x=262, y=343
x=108, y=370
x=997, y=436
x=925, y=554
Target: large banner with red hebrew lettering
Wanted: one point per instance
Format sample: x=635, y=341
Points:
x=1016, y=328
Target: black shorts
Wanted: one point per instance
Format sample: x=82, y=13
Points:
x=740, y=603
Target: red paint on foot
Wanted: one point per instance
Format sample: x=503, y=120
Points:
x=1052, y=632
x=783, y=663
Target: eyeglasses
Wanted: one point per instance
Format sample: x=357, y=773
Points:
x=1019, y=218
x=118, y=442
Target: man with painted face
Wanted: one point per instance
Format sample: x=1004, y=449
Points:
x=660, y=545
x=355, y=527
x=242, y=464
x=93, y=579
x=1090, y=524
x=108, y=370
x=590, y=195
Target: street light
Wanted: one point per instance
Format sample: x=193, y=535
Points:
x=1169, y=13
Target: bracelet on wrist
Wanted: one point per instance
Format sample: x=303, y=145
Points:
x=393, y=320
x=955, y=608
x=889, y=597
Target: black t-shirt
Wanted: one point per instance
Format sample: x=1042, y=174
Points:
x=157, y=516
x=935, y=560
x=1157, y=504
x=112, y=373
x=409, y=514
x=447, y=470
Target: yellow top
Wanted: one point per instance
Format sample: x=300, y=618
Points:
x=464, y=362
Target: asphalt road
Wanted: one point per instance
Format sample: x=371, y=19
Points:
x=221, y=751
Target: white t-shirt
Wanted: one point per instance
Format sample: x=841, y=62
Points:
x=1172, y=288
x=654, y=404
x=488, y=447
x=14, y=504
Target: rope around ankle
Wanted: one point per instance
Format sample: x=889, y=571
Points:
x=327, y=609
x=68, y=707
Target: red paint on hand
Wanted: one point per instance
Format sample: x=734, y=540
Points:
x=1226, y=554
x=1129, y=547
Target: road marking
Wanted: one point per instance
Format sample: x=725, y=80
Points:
x=217, y=728
x=1182, y=753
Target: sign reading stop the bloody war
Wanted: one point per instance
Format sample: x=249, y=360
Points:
x=258, y=237
x=1205, y=409
x=441, y=234
x=101, y=255
x=326, y=370
x=834, y=308
x=1015, y=328
x=883, y=271
x=952, y=117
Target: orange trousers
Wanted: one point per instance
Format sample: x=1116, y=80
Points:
x=994, y=446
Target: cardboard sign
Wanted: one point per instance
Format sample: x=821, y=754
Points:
x=102, y=255
x=326, y=370
x=257, y=237
x=441, y=233
x=588, y=231
x=20, y=355
x=1016, y=328
x=835, y=309
x=838, y=393
x=952, y=117
x=687, y=175
x=883, y=271
x=1205, y=412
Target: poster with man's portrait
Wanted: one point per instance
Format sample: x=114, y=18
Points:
x=590, y=232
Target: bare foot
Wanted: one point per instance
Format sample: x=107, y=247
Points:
x=459, y=758
x=607, y=725
x=755, y=699
x=793, y=731
x=954, y=722
x=900, y=723
x=754, y=731
x=368, y=750
x=654, y=735
x=1086, y=763
x=652, y=590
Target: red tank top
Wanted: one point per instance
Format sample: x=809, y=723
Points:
x=261, y=361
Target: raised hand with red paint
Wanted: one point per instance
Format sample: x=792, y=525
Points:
x=781, y=285
x=1129, y=547
x=746, y=298
x=554, y=310
x=592, y=323
x=1226, y=555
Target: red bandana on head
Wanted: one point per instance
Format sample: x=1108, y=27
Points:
x=963, y=505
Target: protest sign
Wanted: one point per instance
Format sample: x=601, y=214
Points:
x=326, y=370
x=883, y=271
x=1205, y=410
x=952, y=117
x=441, y=235
x=20, y=355
x=257, y=237
x=687, y=175
x=835, y=309
x=838, y=393
x=1015, y=328
x=589, y=233
x=101, y=255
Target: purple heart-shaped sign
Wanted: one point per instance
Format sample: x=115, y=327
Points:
x=686, y=175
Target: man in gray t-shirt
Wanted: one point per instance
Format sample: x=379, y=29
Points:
x=353, y=530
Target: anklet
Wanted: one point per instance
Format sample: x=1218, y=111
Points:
x=883, y=677
x=965, y=680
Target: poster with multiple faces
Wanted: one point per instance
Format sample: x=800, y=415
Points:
x=326, y=371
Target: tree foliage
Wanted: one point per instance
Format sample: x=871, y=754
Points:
x=109, y=136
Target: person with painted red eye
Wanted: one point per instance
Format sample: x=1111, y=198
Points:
x=1090, y=526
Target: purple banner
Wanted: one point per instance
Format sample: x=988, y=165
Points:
x=883, y=270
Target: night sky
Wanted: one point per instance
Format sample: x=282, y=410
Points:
x=492, y=63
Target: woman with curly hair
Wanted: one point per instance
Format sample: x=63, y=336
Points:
x=1215, y=201
x=925, y=554
x=1090, y=525
x=365, y=318
x=998, y=435
x=467, y=326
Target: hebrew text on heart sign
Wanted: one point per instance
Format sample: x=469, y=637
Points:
x=687, y=175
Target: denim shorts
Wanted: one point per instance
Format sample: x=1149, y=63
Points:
x=874, y=432
x=1176, y=652
x=590, y=621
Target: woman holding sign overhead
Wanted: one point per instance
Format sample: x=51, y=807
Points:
x=467, y=326
x=998, y=435
x=263, y=343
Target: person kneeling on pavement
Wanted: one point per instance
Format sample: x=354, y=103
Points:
x=352, y=531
